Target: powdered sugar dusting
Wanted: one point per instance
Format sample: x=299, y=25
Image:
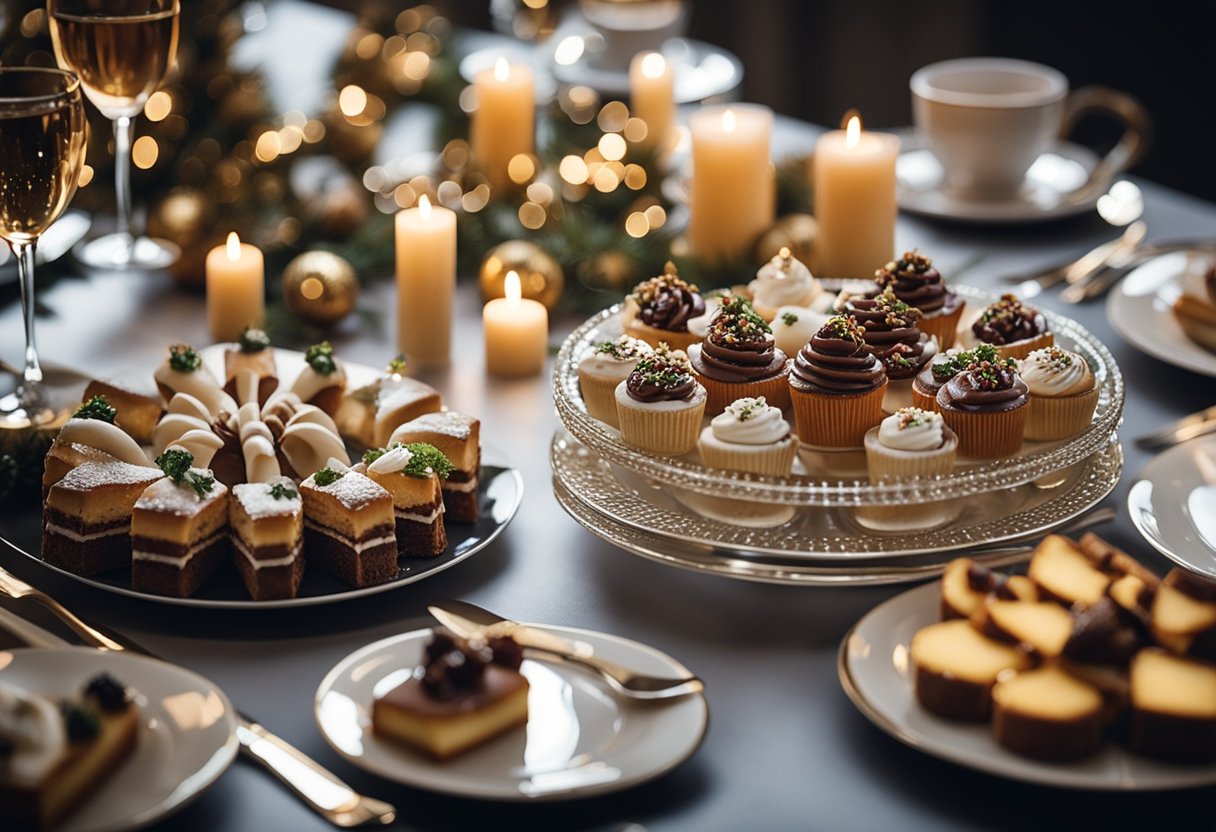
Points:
x=92, y=475
x=447, y=423
x=257, y=501
x=167, y=497
x=353, y=490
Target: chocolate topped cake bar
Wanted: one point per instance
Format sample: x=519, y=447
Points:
x=349, y=527
x=459, y=438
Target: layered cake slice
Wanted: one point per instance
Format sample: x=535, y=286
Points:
x=463, y=694
x=1173, y=706
x=412, y=475
x=267, y=530
x=57, y=753
x=87, y=516
x=179, y=530
x=91, y=435
x=1040, y=627
x=1047, y=714
x=1063, y=573
x=252, y=354
x=370, y=414
x=459, y=438
x=349, y=526
x=956, y=667
x=136, y=413
x=966, y=585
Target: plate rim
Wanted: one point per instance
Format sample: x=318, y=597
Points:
x=1134, y=505
x=228, y=750
x=589, y=791
x=987, y=764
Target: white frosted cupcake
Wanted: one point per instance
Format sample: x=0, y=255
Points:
x=910, y=443
x=661, y=404
x=794, y=326
x=783, y=281
x=1063, y=393
x=607, y=365
x=750, y=435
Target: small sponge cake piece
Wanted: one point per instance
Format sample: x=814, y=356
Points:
x=179, y=536
x=1173, y=707
x=136, y=413
x=1063, y=573
x=87, y=516
x=459, y=438
x=267, y=531
x=1183, y=623
x=1047, y=714
x=956, y=667
x=349, y=526
x=417, y=501
x=1040, y=627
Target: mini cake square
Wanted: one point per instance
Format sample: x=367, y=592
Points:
x=350, y=526
x=266, y=522
x=412, y=474
x=458, y=437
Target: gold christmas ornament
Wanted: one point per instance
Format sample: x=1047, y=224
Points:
x=320, y=287
x=540, y=275
x=185, y=216
x=613, y=270
x=797, y=232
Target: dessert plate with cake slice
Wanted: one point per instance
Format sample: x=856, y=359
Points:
x=105, y=741
x=409, y=709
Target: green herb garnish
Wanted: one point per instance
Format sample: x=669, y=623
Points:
x=737, y=321
x=427, y=460
x=321, y=358
x=254, y=340
x=372, y=454
x=184, y=359
x=176, y=464
x=843, y=328
x=789, y=318
x=283, y=491
x=327, y=476
x=96, y=408
x=397, y=365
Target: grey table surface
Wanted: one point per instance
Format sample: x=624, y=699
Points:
x=785, y=747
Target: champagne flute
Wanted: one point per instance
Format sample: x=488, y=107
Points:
x=42, y=145
x=121, y=49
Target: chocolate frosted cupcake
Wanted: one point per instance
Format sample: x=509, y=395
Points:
x=660, y=308
x=660, y=405
x=739, y=358
x=945, y=366
x=986, y=406
x=600, y=371
x=917, y=283
x=1014, y=329
x=837, y=386
x=892, y=333
x=1063, y=393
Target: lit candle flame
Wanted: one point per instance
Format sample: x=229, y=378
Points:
x=234, y=246
x=424, y=207
x=852, y=133
x=511, y=288
x=502, y=70
x=653, y=65
x=728, y=121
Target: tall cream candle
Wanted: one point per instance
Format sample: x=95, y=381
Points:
x=236, y=289
x=652, y=95
x=516, y=332
x=732, y=199
x=426, y=282
x=503, y=123
x=854, y=185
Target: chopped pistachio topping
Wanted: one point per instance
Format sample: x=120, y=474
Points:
x=789, y=318
x=254, y=340
x=624, y=348
x=397, y=365
x=737, y=322
x=744, y=409
x=843, y=328
x=184, y=359
x=96, y=408
x=321, y=358
x=910, y=417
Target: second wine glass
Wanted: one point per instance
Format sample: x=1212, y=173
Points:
x=121, y=49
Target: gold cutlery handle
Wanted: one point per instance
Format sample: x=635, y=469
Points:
x=89, y=634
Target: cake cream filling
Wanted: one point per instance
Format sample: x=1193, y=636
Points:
x=85, y=538
x=460, y=486
x=180, y=561
x=425, y=519
x=359, y=546
x=265, y=563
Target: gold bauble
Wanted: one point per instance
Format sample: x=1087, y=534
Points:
x=184, y=216
x=797, y=232
x=320, y=287
x=540, y=276
x=609, y=270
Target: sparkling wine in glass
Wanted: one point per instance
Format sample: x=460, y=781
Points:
x=121, y=49
x=42, y=146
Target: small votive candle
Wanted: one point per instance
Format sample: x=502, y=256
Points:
x=516, y=332
x=236, y=299
x=652, y=96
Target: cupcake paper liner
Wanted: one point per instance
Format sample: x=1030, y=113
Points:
x=599, y=394
x=943, y=327
x=1059, y=417
x=776, y=460
x=1021, y=349
x=653, y=336
x=987, y=434
x=837, y=421
x=890, y=463
x=922, y=401
x=775, y=389
x=669, y=432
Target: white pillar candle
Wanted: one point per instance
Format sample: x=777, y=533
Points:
x=503, y=123
x=236, y=287
x=516, y=332
x=854, y=185
x=732, y=199
x=652, y=93
x=426, y=282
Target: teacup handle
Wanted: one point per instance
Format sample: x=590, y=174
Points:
x=1121, y=107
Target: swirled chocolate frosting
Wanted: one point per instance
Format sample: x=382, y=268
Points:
x=1008, y=321
x=668, y=302
x=836, y=360
x=664, y=376
x=916, y=282
x=985, y=386
x=739, y=347
x=892, y=334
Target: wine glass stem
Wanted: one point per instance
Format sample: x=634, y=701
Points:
x=122, y=179
x=31, y=378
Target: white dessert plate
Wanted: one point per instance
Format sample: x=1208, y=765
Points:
x=1053, y=176
x=499, y=492
x=581, y=739
x=875, y=671
x=1140, y=309
x=1172, y=504
x=187, y=731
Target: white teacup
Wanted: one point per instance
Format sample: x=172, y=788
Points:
x=987, y=120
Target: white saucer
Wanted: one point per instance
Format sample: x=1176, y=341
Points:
x=1140, y=309
x=1173, y=504
x=187, y=731
x=1053, y=176
x=876, y=673
x=581, y=739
